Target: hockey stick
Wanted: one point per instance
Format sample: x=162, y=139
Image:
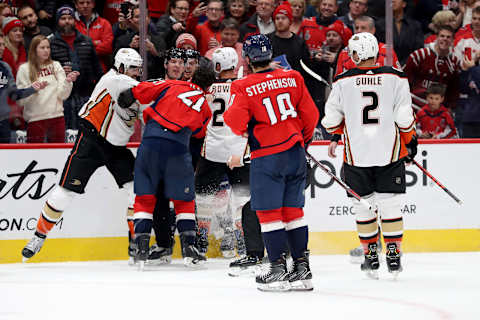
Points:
x=313, y=74
x=437, y=182
x=340, y=182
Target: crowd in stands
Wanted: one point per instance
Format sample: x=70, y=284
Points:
x=62, y=48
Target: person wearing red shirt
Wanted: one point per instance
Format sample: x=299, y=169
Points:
x=434, y=120
x=177, y=111
x=274, y=109
x=207, y=34
x=97, y=28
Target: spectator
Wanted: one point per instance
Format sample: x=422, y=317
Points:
x=186, y=41
x=154, y=44
x=5, y=11
x=407, y=33
x=75, y=52
x=357, y=8
x=14, y=53
x=43, y=111
x=285, y=42
x=298, y=12
x=46, y=10
x=230, y=35
x=467, y=42
x=327, y=10
x=111, y=9
x=260, y=22
x=441, y=18
x=364, y=24
x=31, y=28
x=466, y=10
x=9, y=91
x=434, y=120
x=174, y=22
x=97, y=28
x=156, y=8
x=208, y=33
x=471, y=114
x=238, y=10
x=435, y=63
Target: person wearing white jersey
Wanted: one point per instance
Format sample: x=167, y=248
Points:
x=372, y=107
x=105, y=129
x=221, y=157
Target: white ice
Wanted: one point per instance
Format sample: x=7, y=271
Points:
x=432, y=286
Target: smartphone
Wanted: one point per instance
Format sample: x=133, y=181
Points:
x=468, y=53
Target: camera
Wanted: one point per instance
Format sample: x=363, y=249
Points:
x=125, y=8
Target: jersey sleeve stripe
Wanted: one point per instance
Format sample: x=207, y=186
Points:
x=409, y=128
x=396, y=146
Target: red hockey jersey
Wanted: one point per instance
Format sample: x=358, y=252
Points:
x=275, y=108
x=175, y=105
x=424, y=66
x=344, y=62
x=438, y=123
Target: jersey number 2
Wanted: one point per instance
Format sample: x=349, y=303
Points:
x=285, y=107
x=374, y=105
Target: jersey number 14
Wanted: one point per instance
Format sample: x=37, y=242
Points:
x=285, y=108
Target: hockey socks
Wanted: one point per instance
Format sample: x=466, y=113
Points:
x=276, y=243
x=298, y=239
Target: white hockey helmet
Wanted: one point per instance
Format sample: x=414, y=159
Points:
x=129, y=58
x=364, y=44
x=224, y=59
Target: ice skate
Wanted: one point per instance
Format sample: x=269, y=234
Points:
x=300, y=277
x=393, y=256
x=33, y=246
x=192, y=257
x=356, y=254
x=159, y=255
x=370, y=265
x=143, y=242
x=132, y=251
x=275, y=278
x=246, y=265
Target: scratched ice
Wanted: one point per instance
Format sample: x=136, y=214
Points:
x=432, y=286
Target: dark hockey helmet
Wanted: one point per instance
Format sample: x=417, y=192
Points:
x=192, y=54
x=257, y=48
x=175, y=53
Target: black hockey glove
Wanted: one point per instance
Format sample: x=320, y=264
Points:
x=126, y=99
x=412, y=149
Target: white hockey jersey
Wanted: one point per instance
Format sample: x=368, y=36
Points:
x=220, y=142
x=113, y=123
x=372, y=107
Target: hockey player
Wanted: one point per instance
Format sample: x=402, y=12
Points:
x=275, y=110
x=105, y=130
x=178, y=110
x=379, y=136
x=222, y=155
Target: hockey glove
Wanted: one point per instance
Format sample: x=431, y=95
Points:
x=126, y=99
x=412, y=149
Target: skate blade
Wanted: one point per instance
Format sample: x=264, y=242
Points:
x=372, y=274
x=132, y=261
x=279, y=286
x=159, y=262
x=192, y=263
x=395, y=273
x=141, y=266
x=242, y=272
x=24, y=259
x=301, y=285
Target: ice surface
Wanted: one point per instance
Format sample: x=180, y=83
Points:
x=432, y=286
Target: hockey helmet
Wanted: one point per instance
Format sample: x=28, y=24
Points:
x=224, y=59
x=129, y=58
x=364, y=44
x=257, y=48
x=175, y=53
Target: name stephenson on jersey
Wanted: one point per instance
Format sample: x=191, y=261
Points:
x=220, y=142
x=113, y=123
x=373, y=109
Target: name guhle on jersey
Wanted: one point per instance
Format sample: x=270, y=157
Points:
x=261, y=87
x=369, y=81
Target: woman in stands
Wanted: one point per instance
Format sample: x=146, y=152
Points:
x=43, y=111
